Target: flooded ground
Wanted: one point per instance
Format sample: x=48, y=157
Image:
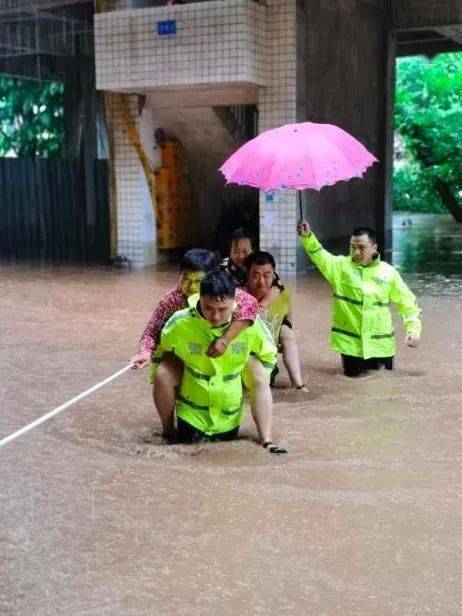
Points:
x=428, y=249
x=362, y=518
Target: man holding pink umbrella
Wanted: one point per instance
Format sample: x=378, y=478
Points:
x=311, y=156
x=364, y=286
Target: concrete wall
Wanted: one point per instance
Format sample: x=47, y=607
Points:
x=206, y=143
x=408, y=14
x=342, y=79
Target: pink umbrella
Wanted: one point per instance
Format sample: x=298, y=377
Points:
x=299, y=156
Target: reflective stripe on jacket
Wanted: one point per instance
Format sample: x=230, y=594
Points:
x=362, y=323
x=210, y=395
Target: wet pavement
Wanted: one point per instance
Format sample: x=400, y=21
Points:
x=98, y=518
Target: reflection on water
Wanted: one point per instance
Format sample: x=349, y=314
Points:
x=427, y=248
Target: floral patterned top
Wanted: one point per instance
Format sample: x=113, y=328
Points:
x=174, y=300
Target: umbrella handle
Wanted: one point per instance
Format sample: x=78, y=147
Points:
x=300, y=203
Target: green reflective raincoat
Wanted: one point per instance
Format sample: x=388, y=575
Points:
x=362, y=323
x=277, y=311
x=210, y=396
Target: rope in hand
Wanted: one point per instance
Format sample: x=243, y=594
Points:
x=37, y=422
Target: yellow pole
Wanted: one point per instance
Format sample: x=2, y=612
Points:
x=136, y=143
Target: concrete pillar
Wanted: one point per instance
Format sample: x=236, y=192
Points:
x=135, y=220
x=277, y=106
x=342, y=79
x=386, y=239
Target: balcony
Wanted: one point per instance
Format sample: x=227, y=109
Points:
x=211, y=52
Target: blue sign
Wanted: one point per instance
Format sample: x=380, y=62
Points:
x=166, y=28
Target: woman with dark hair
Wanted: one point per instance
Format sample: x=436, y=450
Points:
x=240, y=248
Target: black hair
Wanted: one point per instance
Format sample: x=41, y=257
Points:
x=218, y=285
x=365, y=231
x=260, y=257
x=240, y=234
x=197, y=260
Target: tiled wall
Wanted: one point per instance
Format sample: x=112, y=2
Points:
x=277, y=106
x=135, y=226
x=216, y=42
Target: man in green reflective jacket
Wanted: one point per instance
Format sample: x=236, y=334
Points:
x=209, y=402
x=364, y=286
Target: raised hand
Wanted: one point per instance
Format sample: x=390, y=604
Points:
x=303, y=228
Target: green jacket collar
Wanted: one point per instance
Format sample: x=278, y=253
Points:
x=375, y=263
x=193, y=302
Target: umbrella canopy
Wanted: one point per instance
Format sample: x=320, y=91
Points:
x=298, y=156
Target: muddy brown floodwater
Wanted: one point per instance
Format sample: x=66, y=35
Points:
x=362, y=518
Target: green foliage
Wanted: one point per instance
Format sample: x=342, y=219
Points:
x=414, y=192
x=31, y=117
x=428, y=118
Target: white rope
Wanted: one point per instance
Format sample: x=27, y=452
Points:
x=64, y=406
